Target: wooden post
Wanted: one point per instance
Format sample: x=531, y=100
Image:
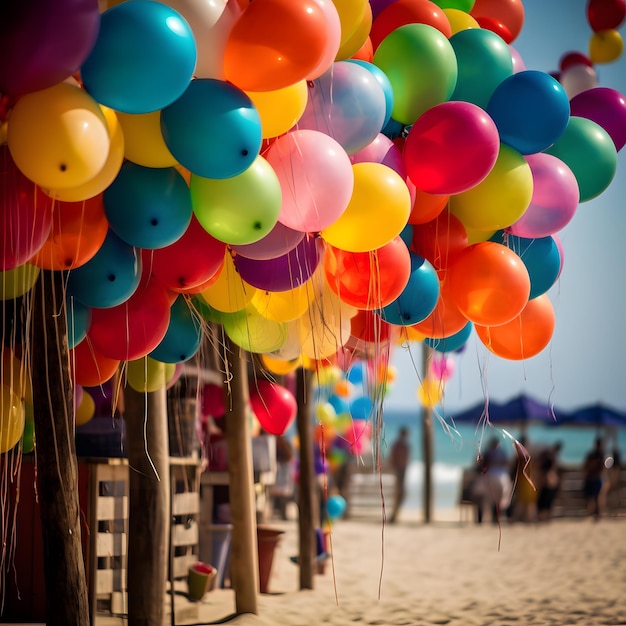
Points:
x=244, y=562
x=427, y=444
x=308, y=498
x=149, y=509
x=57, y=466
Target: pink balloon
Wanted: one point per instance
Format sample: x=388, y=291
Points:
x=382, y=150
x=280, y=240
x=451, y=148
x=315, y=176
x=274, y=406
x=554, y=200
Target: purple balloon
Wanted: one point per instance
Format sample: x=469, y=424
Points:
x=284, y=272
x=44, y=42
x=378, y=6
x=280, y=240
x=606, y=107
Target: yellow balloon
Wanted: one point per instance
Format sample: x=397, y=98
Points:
x=107, y=174
x=11, y=419
x=283, y=306
x=86, y=409
x=355, y=41
x=146, y=375
x=325, y=413
x=18, y=281
x=229, y=293
x=280, y=367
x=144, y=143
x=279, y=110
x=16, y=375
x=460, y=20
x=476, y=236
x=377, y=212
x=350, y=16
x=605, y=46
x=58, y=137
x=430, y=393
x=501, y=198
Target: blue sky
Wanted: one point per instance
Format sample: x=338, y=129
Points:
x=584, y=363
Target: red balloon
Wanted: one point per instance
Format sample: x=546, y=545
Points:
x=440, y=240
x=90, y=367
x=274, y=406
x=370, y=328
x=495, y=26
x=605, y=14
x=569, y=59
x=509, y=13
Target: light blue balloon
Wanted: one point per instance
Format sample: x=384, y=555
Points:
x=183, y=335
x=213, y=129
x=146, y=207
x=109, y=278
x=143, y=59
x=453, y=342
x=383, y=81
x=361, y=408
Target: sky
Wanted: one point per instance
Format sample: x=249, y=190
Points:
x=584, y=363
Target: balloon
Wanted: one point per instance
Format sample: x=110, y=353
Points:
x=280, y=240
x=554, y=200
x=451, y=148
x=78, y=320
x=441, y=240
x=460, y=21
x=241, y=209
x=441, y=367
x=229, y=292
x=452, y=342
x=183, y=337
x=146, y=375
x=274, y=406
x=418, y=298
x=275, y=43
x=27, y=443
x=483, y=60
x=336, y=506
x=607, y=108
x=518, y=62
x=605, y=46
x=280, y=109
x=421, y=66
x=283, y=306
x=361, y=407
x=605, y=14
x=253, y=332
x=375, y=185
x=501, y=198
x=18, y=281
x=368, y=280
x=89, y=367
x=346, y=103
x=354, y=42
x=147, y=207
x=573, y=58
x=42, y=44
x=143, y=140
x=489, y=284
x=11, y=419
x=16, y=374
x=143, y=59
x=430, y=393
x=333, y=34
x=315, y=176
x=530, y=109
x=578, y=78
x=285, y=272
x=426, y=207
x=588, y=150
x=212, y=399
x=382, y=150
x=189, y=262
x=109, y=278
x=213, y=129
x=351, y=14
x=383, y=81
x=134, y=328
x=525, y=336
x=85, y=410
x=280, y=367
x=58, y=137
x=508, y=12
x=25, y=215
x=403, y=12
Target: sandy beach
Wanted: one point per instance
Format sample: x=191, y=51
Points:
x=459, y=574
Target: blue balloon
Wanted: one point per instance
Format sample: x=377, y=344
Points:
x=418, y=298
x=338, y=403
x=407, y=235
x=336, y=506
x=78, y=320
x=383, y=81
x=453, y=342
x=357, y=373
x=531, y=111
x=146, y=207
x=183, y=335
x=213, y=129
x=109, y=278
x=143, y=59
x=393, y=129
x=361, y=408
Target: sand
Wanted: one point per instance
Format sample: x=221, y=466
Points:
x=460, y=574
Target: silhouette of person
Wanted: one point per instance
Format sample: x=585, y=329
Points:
x=400, y=457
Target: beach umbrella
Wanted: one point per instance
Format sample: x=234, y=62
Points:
x=594, y=415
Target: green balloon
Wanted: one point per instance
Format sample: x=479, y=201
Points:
x=462, y=5
x=588, y=150
x=238, y=210
x=253, y=332
x=422, y=69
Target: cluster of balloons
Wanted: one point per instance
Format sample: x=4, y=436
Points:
x=316, y=176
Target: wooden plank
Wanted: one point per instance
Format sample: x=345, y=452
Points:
x=181, y=564
x=110, y=508
x=185, y=534
x=104, y=581
x=186, y=503
x=111, y=544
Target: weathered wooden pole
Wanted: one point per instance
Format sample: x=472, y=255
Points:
x=57, y=466
x=427, y=442
x=149, y=505
x=244, y=562
x=308, y=493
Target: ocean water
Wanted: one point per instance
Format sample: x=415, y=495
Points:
x=456, y=448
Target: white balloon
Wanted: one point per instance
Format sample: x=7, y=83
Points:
x=578, y=78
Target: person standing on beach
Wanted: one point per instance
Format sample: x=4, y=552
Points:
x=594, y=470
x=400, y=457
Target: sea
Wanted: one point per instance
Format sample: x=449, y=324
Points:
x=455, y=447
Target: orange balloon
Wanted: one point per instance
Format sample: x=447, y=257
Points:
x=525, y=335
x=509, y=14
x=275, y=43
x=365, y=52
x=90, y=368
x=78, y=231
x=489, y=283
x=440, y=240
x=426, y=206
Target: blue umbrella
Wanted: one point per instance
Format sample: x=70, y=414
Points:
x=598, y=415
